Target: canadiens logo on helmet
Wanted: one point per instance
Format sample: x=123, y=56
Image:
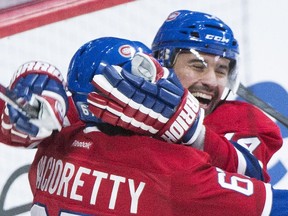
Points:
x=126, y=51
x=173, y=16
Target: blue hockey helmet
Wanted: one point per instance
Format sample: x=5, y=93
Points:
x=184, y=29
x=85, y=62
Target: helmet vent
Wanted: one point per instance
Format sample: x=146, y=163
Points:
x=234, y=43
x=195, y=34
x=192, y=26
x=215, y=27
x=192, y=34
x=183, y=32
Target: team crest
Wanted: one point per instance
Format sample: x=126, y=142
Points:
x=126, y=51
x=173, y=16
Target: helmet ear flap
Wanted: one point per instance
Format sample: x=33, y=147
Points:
x=233, y=77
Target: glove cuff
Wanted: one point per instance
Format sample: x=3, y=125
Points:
x=37, y=67
x=185, y=119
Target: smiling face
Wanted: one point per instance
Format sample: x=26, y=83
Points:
x=204, y=75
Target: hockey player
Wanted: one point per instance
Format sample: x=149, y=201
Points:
x=204, y=54
x=91, y=168
x=237, y=121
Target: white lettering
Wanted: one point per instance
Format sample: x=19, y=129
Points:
x=65, y=178
x=100, y=176
x=56, y=177
x=45, y=180
x=176, y=129
x=169, y=137
x=78, y=183
x=50, y=176
x=40, y=67
x=117, y=180
x=80, y=144
x=83, y=184
x=193, y=103
x=135, y=195
x=183, y=122
x=217, y=38
x=40, y=171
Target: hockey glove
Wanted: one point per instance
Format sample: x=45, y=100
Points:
x=152, y=102
x=42, y=86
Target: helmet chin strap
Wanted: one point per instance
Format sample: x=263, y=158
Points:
x=225, y=93
x=173, y=61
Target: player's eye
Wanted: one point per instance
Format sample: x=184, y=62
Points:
x=222, y=70
x=198, y=65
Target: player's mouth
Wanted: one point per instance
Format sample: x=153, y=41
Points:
x=204, y=99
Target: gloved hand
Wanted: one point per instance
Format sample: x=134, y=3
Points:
x=42, y=86
x=152, y=102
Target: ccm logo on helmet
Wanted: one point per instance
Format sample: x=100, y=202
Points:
x=217, y=38
x=125, y=51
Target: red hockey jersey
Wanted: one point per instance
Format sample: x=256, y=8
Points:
x=248, y=126
x=82, y=171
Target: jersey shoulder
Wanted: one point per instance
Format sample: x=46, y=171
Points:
x=238, y=111
x=238, y=105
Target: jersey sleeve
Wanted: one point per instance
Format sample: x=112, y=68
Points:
x=246, y=125
x=217, y=190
